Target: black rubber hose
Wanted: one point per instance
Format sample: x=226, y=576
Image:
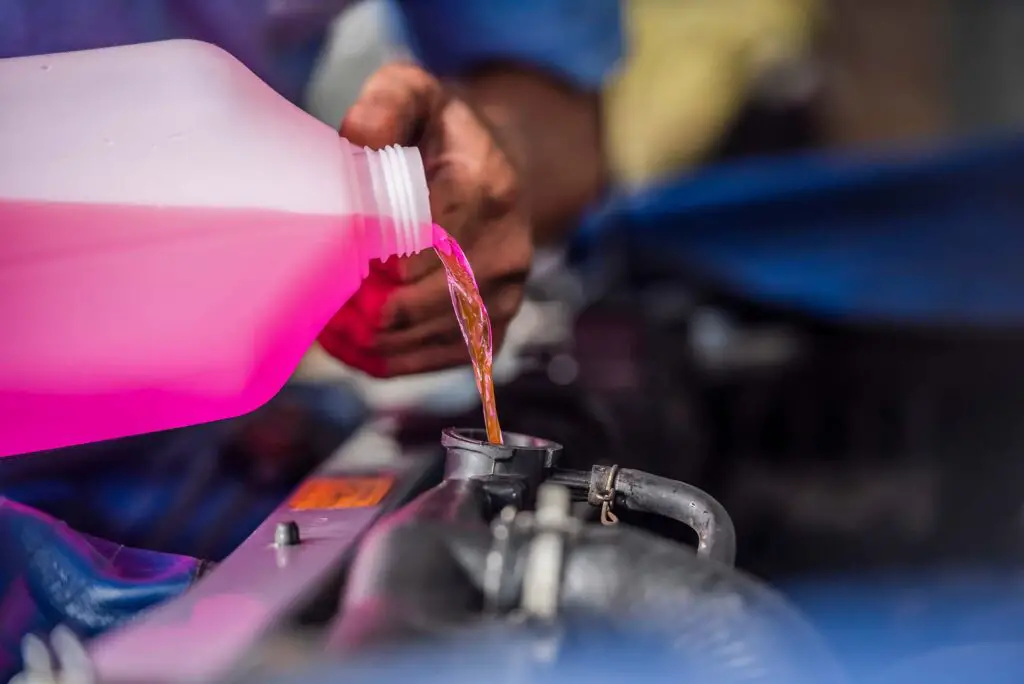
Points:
x=639, y=491
x=577, y=481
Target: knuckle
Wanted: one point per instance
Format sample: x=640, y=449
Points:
x=399, y=70
x=505, y=187
x=508, y=301
x=519, y=255
x=443, y=338
x=501, y=186
x=383, y=88
x=452, y=185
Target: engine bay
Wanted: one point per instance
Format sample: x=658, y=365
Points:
x=655, y=508
x=473, y=540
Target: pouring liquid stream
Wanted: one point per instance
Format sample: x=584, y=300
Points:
x=474, y=323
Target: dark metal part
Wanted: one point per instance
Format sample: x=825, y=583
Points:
x=503, y=491
x=469, y=454
x=287, y=534
x=421, y=580
x=578, y=482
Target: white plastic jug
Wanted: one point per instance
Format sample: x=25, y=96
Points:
x=173, y=237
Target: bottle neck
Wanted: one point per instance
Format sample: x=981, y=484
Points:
x=395, y=199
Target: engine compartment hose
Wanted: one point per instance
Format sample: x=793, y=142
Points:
x=639, y=491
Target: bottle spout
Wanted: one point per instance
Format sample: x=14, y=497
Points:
x=399, y=199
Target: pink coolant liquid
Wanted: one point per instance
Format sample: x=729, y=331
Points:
x=474, y=323
x=121, y=320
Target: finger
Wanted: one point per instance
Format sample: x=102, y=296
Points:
x=337, y=343
x=457, y=213
x=429, y=359
x=435, y=358
x=445, y=329
x=391, y=106
x=445, y=351
x=351, y=332
x=411, y=305
x=457, y=191
x=389, y=271
x=414, y=304
x=472, y=145
x=441, y=333
x=504, y=305
x=454, y=198
x=470, y=180
x=417, y=266
x=400, y=270
x=469, y=176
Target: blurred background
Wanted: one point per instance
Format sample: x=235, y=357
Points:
x=870, y=72
x=804, y=294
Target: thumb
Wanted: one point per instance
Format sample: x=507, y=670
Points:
x=393, y=105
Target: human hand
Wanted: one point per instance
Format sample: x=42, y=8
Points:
x=401, y=320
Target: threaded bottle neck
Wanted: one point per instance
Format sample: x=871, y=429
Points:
x=396, y=194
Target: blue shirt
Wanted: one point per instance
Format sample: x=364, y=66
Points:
x=280, y=40
x=580, y=41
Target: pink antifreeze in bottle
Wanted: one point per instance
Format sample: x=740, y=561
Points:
x=173, y=237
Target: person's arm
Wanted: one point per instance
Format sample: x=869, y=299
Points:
x=534, y=70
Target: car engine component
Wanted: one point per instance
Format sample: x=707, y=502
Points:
x=507, y=554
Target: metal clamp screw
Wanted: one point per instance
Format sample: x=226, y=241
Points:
x=606, y=497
